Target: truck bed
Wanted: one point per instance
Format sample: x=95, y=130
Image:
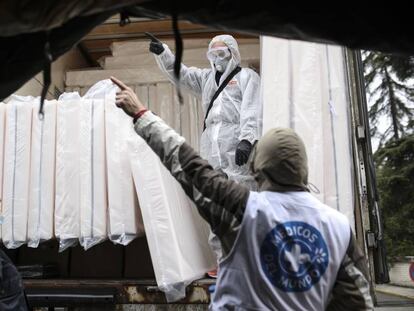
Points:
x=66, y=292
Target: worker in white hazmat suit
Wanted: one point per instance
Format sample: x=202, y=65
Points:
x=232, y=108
x=233, y=121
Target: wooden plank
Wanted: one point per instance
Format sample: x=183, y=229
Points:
x=169, y=108
x=75, y=89
x=248, y=63
x=114, y=19
x=185, y=34
x=103, y=47
x=154, y=26
x=190, y=118
x=122, y=48
x=197, y=116
x=147, y=61
x=132, y=47
x=249, y=52
x=177, y=109
x=142, y=92
x=184, y=116
x=129, y=76
x=165, y=104
x=99, y=45
x=135, y=61
x=195, y=122
x=153, y=103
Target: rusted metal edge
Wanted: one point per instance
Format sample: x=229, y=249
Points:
x=82, y=292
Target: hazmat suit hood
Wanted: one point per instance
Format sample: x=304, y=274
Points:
x=234, y=50
x=279, y=162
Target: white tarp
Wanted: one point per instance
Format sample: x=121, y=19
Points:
x=2, y=128
x=177, y=235
x=125, y=220
x=67, y=199
x=94, y=203
x=16, y=170
x=304, y=88
x=42, y=176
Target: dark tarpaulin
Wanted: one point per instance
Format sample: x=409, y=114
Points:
x=30, y=16
x=26, y=26
x=24, y=56
x=384, y=28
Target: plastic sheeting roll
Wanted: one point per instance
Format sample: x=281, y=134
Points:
x=177, y=235
x=42, y=176
x=304, y=88
x=125, y=220
x=93, y=203
x=67, y=199
x=16, y=170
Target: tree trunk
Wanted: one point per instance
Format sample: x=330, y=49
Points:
x=392, y=104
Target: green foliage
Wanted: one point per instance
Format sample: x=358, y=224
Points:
x=395, y=177
x=390, y=88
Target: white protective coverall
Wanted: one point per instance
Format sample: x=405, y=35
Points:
x=235, y=115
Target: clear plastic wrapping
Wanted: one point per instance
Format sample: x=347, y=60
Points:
x=16, y=171
x=93, y=203
x=67, y=199
x=125, y=221
x=304, y=88
x=42, y=176
x=177, y=235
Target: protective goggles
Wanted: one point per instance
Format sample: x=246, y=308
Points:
x=219, y=52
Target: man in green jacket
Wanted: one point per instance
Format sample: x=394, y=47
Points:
x=282, y=248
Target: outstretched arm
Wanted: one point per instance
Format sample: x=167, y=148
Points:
x=220, y=202
x=191, y=78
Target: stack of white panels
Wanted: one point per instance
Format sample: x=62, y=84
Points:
x=42, y=176
x=67, y=199
x=177, y=235
x=93, y=203
x=16, y=171
x=304, y=88
x=83, y=163
x=125, y=222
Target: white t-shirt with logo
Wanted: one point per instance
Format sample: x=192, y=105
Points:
x=286, y=256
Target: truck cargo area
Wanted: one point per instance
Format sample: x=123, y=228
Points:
x=107, y=274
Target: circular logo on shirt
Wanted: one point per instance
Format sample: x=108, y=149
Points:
x=294, y=256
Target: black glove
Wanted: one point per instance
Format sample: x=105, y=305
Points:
x=243, y=151
x=156, y=46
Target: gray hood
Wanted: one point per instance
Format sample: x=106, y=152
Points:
x=279, y=162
